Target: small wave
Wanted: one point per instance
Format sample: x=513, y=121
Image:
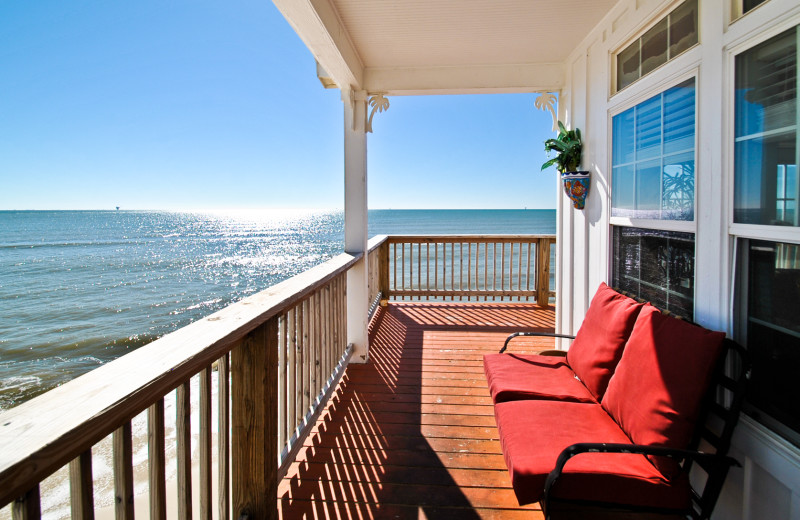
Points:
x=42, y=245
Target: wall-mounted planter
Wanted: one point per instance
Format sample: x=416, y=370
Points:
x=576, y=186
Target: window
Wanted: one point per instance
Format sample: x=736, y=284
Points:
x=766, y=193
x=766, y=190
x=653, y=157
x=667, y=39
x=769, y=306
x=657, y=266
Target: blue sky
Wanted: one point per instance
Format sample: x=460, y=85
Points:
x=214, y=105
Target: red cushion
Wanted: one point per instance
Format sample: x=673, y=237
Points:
x=598, y=345
x=519, y=376
x=657, y=389
x=533, y=434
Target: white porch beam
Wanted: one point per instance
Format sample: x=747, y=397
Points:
x=355, y=219
x=483, y=79
x=318, y=25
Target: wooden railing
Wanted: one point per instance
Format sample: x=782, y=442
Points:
x=462, y=267
x=277, y=354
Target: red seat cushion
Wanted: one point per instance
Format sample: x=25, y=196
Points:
x=533, y=434
x=660, y=381
x=519, y=376
x=598, y=345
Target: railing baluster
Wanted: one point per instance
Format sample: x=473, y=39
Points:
x=519, y=272
x=419, y=270
x=156, y=460
x=223, y=439
x=469, y=268
x=81, y=486
x=123, y=472
x=427, y=266
x=282, y=400
x=28, y=506
x=302, y=374
x=183, y=440
x=528, y=273
x=486, y=269
x=205, y=443
x=291, y=420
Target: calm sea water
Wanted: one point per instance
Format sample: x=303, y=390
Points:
x=80, y=288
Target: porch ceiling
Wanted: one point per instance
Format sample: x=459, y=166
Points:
x=444, y=46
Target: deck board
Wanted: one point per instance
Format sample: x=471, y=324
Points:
x=411, y=433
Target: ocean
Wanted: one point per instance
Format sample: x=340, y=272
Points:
x=81, y=288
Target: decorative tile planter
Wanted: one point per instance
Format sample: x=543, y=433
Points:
x=576, y=186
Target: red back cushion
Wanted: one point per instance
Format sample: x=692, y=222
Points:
x=598, y=345
x=658, y=386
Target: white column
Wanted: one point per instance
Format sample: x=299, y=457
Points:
x=355, y=219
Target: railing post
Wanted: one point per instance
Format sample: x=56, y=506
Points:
x=543, y=272
x=254, y=448
x=383, y=271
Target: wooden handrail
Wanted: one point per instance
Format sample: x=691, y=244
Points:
x=56, y=427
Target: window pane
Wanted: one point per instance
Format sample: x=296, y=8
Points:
x=683, y=28
x=648, y=189
x=623, y=138
x=759, y=163
x=765, y=169
x=648, y=129
x=662, y=176
x=628, y=66
x=677, y=190
x=679, y=115
x=657, y=266
x=747, y=5
x=773, y=332
x=654, y=47
x=766, y=86
x=622, y=193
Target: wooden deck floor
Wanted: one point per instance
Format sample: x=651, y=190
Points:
x=411, y=434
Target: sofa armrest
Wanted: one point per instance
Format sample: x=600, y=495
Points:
x=542, y=334
x=706, y=460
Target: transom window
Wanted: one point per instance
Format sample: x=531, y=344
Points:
x=671, y=36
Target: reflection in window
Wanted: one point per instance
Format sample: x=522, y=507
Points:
x=766, y=149
x=657, y=266
x=671, y=36
x=769, y=304
x=653, y=157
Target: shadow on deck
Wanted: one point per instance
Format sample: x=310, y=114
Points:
x=411, y=433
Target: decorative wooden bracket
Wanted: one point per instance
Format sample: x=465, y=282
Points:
x=547, y=101
x=379, y=103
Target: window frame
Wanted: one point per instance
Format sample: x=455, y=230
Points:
x=631, y=96
x=740, y=234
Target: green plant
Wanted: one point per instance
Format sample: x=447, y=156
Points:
x=568, y=148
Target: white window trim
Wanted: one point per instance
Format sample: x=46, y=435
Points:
x=682, y=226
